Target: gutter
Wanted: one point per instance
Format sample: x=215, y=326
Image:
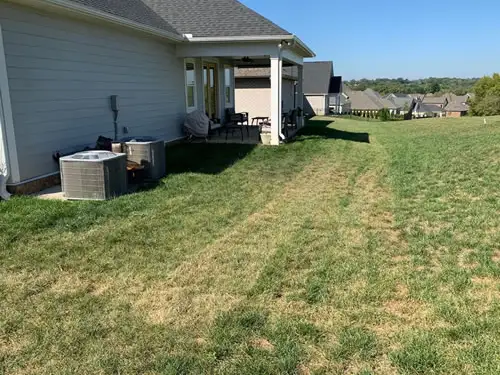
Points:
x=280, y=52
x=293, y=39
x=5, y=171
x=4, y=167
x=4, y=156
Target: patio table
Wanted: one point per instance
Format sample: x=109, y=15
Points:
x=258, y=120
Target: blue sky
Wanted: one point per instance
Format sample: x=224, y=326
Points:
x=393, y=38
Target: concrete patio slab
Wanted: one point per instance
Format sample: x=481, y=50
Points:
x=53, y=193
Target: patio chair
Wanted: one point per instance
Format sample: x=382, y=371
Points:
x=289, y=119
x=238, y=118
x=292, y=118
x=232, y=123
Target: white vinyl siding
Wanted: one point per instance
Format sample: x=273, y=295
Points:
x=61, y=73
x=316, y=105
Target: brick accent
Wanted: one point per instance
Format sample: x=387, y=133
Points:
x=455, y=114
x=35, y=186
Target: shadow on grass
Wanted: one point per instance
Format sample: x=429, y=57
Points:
x=204, y=157
x=320, y=129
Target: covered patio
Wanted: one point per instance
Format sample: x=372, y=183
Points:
x=210, y=82
x=252, y=137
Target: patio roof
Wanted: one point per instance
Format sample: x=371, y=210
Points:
x=212, y=18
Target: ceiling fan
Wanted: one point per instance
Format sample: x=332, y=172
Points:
x=247, y=60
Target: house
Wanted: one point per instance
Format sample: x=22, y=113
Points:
x=361, y=103
x=253, y=90
x=339, y=101
x=368, y=103
x=423, y=110
x=404, y=102
x=317, y=77
x=417, y=97
x=383, y=102
x=61, y=60
x=457, y=108
x=441, y=100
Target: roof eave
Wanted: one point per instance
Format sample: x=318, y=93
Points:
x=306, y=51
x=95, y=13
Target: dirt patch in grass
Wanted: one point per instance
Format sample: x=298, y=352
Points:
x=263, y=344
x=485, y=281
x=496, y=256
x=182, y=307
x=485, y=292
x=13, y=346
x=433, y=228
x=398, y=259
x=375, y=215
x=464, y=261
x=407, y=310
x=303, y=370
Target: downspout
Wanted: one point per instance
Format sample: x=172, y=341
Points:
x=280, y=81
x=4, y=157
x=4, y=149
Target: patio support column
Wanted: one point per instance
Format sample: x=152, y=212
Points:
x=200, y=95
x=300, y=94
x=276, y=99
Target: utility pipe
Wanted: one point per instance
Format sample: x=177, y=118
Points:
x=280, y=81
x=4, y=157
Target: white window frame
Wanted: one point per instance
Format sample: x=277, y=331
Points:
x=229, y=104
x=188, y=108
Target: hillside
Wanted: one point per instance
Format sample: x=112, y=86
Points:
x=458, y=86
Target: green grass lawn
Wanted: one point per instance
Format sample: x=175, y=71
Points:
x=360, y=248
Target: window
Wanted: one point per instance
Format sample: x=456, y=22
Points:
x=190, y=86
x=228, y=85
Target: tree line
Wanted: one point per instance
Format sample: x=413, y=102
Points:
x=487, y=97
x=457, y=86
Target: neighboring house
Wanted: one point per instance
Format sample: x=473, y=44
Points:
x=61, y=60
x=405, y=103
x=423, y=110
x=362, y=103
x=441, y=101
x=368, y=103
x=339, y=101
x=417, y=97
x=253, y=91
x=317, y=77
x=393, y=108
x=457, y=108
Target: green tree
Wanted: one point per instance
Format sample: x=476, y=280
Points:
x=434, y=87
x=384, y=114
x=458, y=86
x=487, y=99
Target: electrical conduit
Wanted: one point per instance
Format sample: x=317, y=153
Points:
x=4, y=157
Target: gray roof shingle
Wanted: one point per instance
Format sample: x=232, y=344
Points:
x=457, y=106
x=317, y=76
x=360, y=100
x=428, y=108
x=289, y=72
x=202, y=18
x=429, y=99
x=133, y=10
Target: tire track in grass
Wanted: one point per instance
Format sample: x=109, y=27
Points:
x=224, y=273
